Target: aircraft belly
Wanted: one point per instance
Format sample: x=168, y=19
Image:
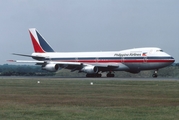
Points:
x=133, y=66
x=145, y=66
x=154, y=65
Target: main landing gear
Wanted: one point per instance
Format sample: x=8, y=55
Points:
x=155, y=75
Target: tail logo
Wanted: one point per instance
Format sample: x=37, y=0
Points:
x=39, y=43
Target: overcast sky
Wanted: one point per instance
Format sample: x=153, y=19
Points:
x=89, y=25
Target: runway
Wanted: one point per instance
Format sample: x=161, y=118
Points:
x=84, y=78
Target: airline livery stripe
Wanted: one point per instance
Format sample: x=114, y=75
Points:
x=116, y=60
x=44, y=44
x=37, y=47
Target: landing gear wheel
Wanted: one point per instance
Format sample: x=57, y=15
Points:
x=154, y=75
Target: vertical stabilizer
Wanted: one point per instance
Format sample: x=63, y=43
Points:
x=39, y=43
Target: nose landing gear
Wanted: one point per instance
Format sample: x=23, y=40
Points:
x=155, y=75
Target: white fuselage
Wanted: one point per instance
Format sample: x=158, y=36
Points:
x=132, y=60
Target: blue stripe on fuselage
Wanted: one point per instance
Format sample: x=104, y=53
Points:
x=111, y=58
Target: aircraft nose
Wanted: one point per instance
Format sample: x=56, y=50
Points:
x=172, y=59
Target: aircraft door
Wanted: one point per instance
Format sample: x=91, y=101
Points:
x=145, y=59
x=145, y=64
x=76, y=59
x=122, y=59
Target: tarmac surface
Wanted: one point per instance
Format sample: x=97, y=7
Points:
x=84, y=78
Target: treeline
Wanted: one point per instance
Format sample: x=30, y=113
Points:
x=23, y=70
x=34, y=70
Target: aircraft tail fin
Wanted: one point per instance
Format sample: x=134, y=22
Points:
x=39, y=43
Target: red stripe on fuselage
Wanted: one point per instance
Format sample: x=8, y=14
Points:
x=120, y=61
x=37, y=47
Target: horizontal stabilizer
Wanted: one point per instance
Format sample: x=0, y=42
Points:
x=35, y=57
x=22, y=55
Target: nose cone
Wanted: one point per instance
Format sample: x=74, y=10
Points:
x=172, y=59
x=167, y=60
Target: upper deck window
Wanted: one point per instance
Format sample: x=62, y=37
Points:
x=159, y=50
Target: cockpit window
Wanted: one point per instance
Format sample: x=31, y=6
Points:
x=159, y=51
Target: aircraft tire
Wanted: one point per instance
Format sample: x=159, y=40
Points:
x=154, y=75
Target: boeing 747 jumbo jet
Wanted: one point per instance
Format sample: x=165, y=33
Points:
x=94, y=63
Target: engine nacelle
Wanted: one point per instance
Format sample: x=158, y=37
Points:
x=51, y=67
x=90, y=69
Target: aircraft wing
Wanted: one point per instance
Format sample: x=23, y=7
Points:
x=25, y=61
x=62, y=64
x=65, y=63
x=68, y=65
x=71, y=65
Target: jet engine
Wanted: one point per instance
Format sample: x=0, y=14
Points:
x=90, y=69
x=51, y=67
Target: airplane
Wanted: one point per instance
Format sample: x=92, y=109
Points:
x=94, y=63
